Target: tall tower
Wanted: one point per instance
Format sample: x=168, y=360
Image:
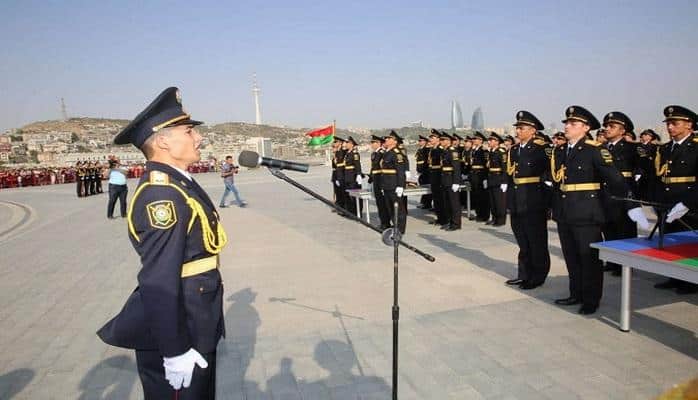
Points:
x=478, y=121
x=456, y=115
x=256, y=90
x=64, y=113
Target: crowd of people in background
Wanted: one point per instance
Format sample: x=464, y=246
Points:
x=81, y=170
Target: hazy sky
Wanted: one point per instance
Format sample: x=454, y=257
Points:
x=366, y=64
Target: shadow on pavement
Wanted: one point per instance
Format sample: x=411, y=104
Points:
x=110, y=379
x=13, y=382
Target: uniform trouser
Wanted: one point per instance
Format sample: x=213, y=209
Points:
x=342, y=196
x=351, y=201
x=583, y=264
x=497, y=202
x=531, y=233
x=337, y=193
x=622, y=228
x=425, y=200
x=452, y=205
x=481, y=201
x=117, y=192
x=438, y=198
x=390, y=199
x=80, y=183
x=156, y=387
x=91, y=186
x=383, y=213
x=99, y=185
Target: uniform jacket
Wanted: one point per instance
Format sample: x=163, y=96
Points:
x=496, y=167
x=478, y=165
x=352, y=165
x=450, y=168
x=434, y=162
x=168, y=312
x=393, y=169
x=588, y=163
x=376, y=172
x=627, y=161
x=339, y=166
x=680, y=164
x=524, y=164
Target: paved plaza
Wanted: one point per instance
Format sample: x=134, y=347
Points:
x=308, y=299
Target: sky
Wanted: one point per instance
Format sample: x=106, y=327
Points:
x=371, y=64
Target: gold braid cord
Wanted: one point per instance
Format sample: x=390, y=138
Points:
x=560, y=173
x=511, y=168
x=659, y=168
x=213, y=241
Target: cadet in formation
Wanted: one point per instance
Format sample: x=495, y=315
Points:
x=495, y=179
x=375, y=178
x=352, y=173
x=393, y=168
x=450, y=183
x=174, y=318
x=340, y=195
x=422, y=161
x=478, y=179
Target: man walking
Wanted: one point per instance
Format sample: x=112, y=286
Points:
x=228, y=172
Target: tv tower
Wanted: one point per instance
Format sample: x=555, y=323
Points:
x=256, y=90
x=64, y=113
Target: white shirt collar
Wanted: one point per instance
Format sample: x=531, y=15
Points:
x=680, y=142
x=616, y=142
x=183, y=172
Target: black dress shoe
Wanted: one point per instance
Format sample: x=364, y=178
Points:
x=499, y=224
x=452, y=228
x=490, y=222
x=516, y=281
x=569, y=301
x=529, y=285
x=588, y=309
x=668, y=284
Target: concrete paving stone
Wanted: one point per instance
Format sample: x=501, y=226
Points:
x=463, y=333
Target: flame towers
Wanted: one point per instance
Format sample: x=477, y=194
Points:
x=456, y=115
x=478, y=121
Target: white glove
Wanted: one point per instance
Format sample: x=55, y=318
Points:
x=678, y=211
x=407, y=175
x=463, y=176
x=336, y=183
x=455, y=187
x=179, y=369
x=548, y=183
x=484, y=184
x=358, y=179
x=399, y=191
x=639, y=217
x=504, y=187
x=637, y=177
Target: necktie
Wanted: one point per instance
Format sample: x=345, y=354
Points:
x=568, y=150
x=673, y=146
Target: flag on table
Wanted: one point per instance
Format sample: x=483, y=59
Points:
x=321, y=136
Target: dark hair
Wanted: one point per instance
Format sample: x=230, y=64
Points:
x=228, y=157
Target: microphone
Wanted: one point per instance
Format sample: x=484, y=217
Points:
x=250, y=159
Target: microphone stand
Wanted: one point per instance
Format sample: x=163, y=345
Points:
x=391, y=237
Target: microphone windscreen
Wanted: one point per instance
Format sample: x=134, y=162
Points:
x=248, y=159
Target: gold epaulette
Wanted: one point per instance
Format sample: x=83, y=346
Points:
x=502, y=149
x=159, y=178
x=539, y=142
x=695, y=139
x=396, y=150
x=592, y=143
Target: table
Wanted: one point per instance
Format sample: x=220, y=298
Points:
x=367, y=194
x=678, y=259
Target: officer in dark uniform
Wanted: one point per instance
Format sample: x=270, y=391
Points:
x=375, y=178
x=341, y=196
x=403, y=150
x=434, y=161
x=676, y=165
x=450, y=183
x=509, y=141
x=352, y=173
x=646, y=152
x=336, y=147
x=465, y=170
x=528, y=200
x=478, y=179
x=174, y=319
x=422, y=159
x=626, y=159
x=578, y=169
x=496, y=177
x=393, y=180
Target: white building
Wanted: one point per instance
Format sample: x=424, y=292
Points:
x=260, y=145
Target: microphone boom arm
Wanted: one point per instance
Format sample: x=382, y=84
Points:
x=277, y=173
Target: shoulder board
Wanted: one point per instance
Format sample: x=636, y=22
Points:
x=539, y=142
x=592, y=143
x=502, y=149
x=695, y=139
x=396, y=150
x=159, y=178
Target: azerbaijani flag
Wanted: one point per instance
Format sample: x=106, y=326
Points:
x=321, y=136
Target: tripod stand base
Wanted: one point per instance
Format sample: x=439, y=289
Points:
x=388, y=238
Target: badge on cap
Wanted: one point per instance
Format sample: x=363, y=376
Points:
x=570, y=110
x=671, y=110
x=520, y=114
x=161, y=214
x=178, y=96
